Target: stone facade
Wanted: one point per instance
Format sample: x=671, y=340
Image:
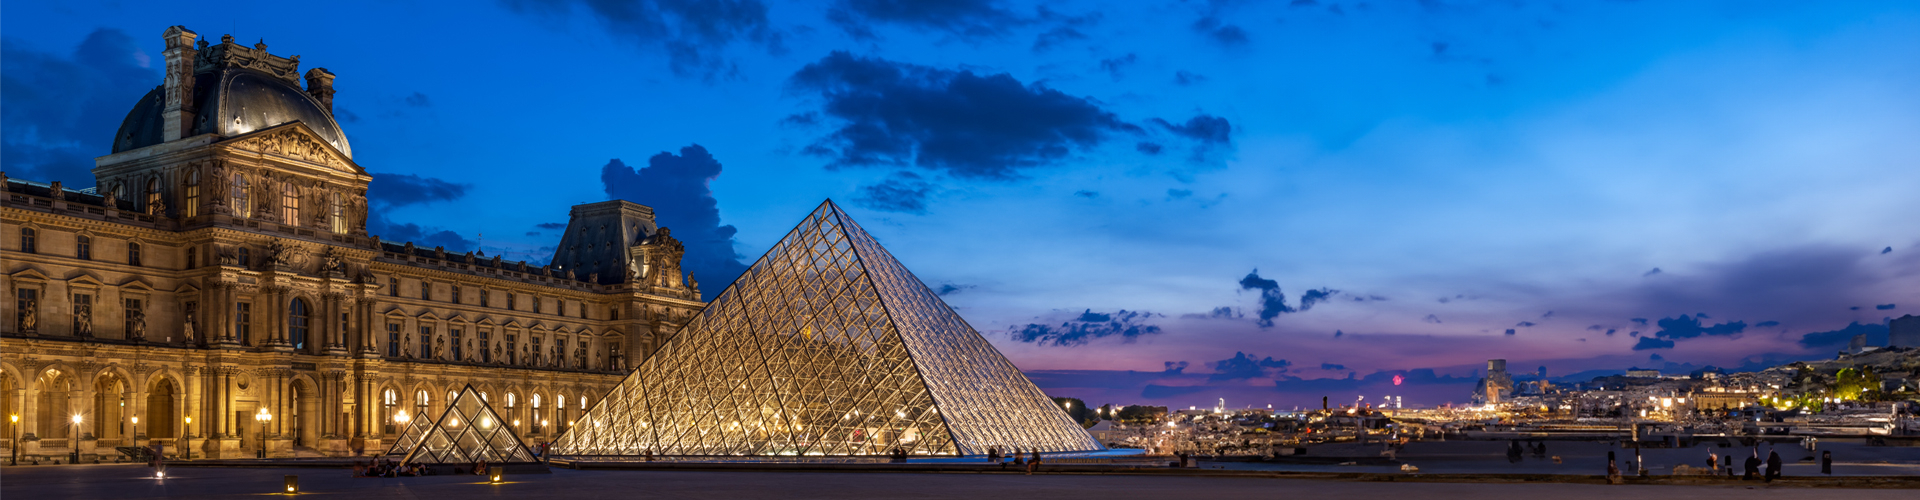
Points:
x=217, y=273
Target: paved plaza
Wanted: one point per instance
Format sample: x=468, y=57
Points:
x=131, y=481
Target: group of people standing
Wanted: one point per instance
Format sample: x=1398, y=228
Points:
x=1033, y=464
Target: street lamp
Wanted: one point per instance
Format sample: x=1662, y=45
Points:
x=75, y=438
x=263, y=417
x=14, y=458
x=184, y=442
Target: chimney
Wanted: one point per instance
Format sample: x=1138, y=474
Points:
x=177, y=115
x=320, y=86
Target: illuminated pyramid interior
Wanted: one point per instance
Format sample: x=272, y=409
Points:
x=826, y=346
x=469, y=431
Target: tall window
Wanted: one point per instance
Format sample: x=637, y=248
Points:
x=246, y=258
x=388, y=402
x=456, y=334
x=614, y=356
x=192, y=206
x=486, y=345
x=426, y=342
x=393, y=287
x=243, y=322
x=289, y=204
x=560, y=409
x=83, y=247
x=26, y=307
x=393, y=340
x=420, y=404
x=241, y=196
x=337, y=214
x=133, y=254
x=583, y=309
x=297, y=324
x=513, y=410
x=193, y=258
x=456, y=293
x=512, y=353
x=153, y=196
x=536, y=414
x=134, y=321
x=426, y=290
x=534, y=359
x=560, y=352
x=29, y=240
x=510, y=299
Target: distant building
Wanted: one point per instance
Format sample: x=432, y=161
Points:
x=1497, y=385
x=1904, y=332
x=1643, y=373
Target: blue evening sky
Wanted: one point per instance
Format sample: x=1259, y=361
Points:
x=1143, y=202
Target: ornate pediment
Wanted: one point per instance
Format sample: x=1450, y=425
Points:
x=295, y=141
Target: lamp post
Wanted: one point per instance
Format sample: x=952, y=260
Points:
x=263, y=417
x=14, y=451
x=75, y=438
x=186, y=445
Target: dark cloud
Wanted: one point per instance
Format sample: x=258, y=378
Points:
x=678, y=188
x=1332, y=367
x=1186, y=78
x=1242, y=366
x=1876, y=335
x=1439, y=48
x=1087, y=194
x=1222, y=312
x=1206, y=129
x=1510, y=331
x=956, y=122
x=1884, y=307
x=1685, y=327
x=1766, y=324
x=551, y=225
x=1114, y=65
x=692, y=33
x=1639, y=321
x=1524, y=324
x=1886, y=250
x=1227, y=35
x=1315, y=296
x=59, y=112
x=1054, y=37
x=1548, y=314
x=903, y=192
x=1431, y=318
x=949, y=289
x=1273, y=303
x=399, y=190
x=1610, y=331
x=1089, y=325
x=1148, y=148
x=388, y=192
x=1795, y=285
x=1650, y=273
x=966, y=18
x=418, y=100
x=1175, y=367
x=1652, y=343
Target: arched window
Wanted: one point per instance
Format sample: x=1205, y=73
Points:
x=536, y=423
x=192, y=207
x=337, y=214
x=153, y=196
x=420, y=404
x=560, y=412
x=289, y=204
x=388, y=402
x=120, y=195
x=297, y=321
x=241, y=196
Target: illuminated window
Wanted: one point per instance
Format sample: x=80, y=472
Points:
x=337, y=214
x=241, y=195
x=289, y=204
x=153, y=197
x=192, y=206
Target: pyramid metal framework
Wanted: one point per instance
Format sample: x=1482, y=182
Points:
x=826, y=346
x=468, y=432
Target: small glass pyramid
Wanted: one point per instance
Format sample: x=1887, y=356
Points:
x=826, y=346
x=468, y=432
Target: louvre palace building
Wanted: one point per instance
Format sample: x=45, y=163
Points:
x=217, y=292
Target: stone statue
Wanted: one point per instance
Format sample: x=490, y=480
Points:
x=278, y=254
x=139, y=325
x=83, y=319
x=30, y=315
x=593, y=277
x=108, y=199
x=438, y=344
x=56, y=191
x=332, y=264
x=157, y=209
x=186, y=329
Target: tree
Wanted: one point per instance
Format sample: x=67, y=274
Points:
x=1078, y=410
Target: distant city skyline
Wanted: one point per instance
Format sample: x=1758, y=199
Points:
x=1156, y=203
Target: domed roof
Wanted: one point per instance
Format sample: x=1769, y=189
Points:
x=232, y=101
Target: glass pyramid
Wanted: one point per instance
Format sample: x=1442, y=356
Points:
x=469, y=431
x=826, y=346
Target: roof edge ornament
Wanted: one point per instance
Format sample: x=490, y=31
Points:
x=233, y=55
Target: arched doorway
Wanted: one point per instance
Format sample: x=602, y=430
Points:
x=54, y=405
x=160, y=410
x=304, y=413
x=109, y=419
